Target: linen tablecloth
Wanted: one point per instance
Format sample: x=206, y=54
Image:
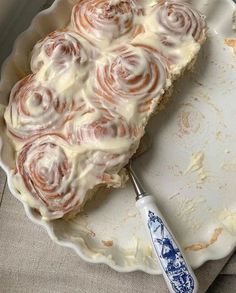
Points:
x=31, y=262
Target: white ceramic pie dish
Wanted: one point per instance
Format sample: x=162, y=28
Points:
x=199, y=121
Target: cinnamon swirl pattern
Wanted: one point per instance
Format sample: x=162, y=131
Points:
x=105, y=19
x=49, y=176
x=59, y=49
x=103, y=128
x=78, y=118
x=176, y=30
x=53, y=179
x=178, y=19
x=63, y=60
x=35, y=109
x=129, y=74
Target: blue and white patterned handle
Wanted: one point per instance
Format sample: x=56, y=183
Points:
x=178, y=274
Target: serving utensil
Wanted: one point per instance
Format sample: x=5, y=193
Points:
x=177, y=272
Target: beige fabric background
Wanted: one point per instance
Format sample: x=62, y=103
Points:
x=31, y=262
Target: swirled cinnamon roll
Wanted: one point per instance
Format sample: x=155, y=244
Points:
x=178, y=19
x=176, y=30
x=60, y=49
x=97, y=128
x=63, y=60
x=35, y=109
x=105, y=19
x=46, y=177
x=129, y=75
x=56, y=180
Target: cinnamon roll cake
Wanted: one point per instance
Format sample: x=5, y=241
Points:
x=78, y=118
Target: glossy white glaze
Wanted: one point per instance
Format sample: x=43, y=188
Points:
x=96, y=96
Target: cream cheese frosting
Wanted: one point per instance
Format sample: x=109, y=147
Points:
x=78, y=118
